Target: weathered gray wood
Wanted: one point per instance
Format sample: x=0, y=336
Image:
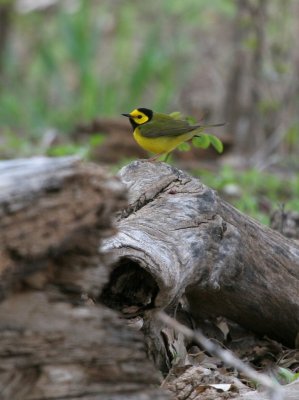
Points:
x=178, y=236
x=52, y=349
x=45, y=200
x=56, y=340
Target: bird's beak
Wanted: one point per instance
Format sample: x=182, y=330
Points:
x=127, y=115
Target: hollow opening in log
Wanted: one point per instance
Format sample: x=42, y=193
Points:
x=130, y=289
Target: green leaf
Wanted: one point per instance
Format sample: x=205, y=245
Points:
x=191, y=119
x=286, y=375
x=184, y=146
x=216, y=143
x=176, y=115
x=292, y=135
x=295, y=377
x=96, y=139
x=202, y=141
x=66, y=150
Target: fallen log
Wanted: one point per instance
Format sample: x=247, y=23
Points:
x=56, y=341
x=178, y=236
x=43, y=202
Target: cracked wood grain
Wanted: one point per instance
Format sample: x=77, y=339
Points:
x=180, y=237
x=56, y=341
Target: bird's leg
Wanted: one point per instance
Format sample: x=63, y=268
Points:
x=155, y=157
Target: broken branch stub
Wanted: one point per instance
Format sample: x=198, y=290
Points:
x=178, y=236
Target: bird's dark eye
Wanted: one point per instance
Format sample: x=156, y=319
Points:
x=139, y=116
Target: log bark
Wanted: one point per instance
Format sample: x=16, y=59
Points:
x=178, y=236
x=56, y=340
x=50, y=349
x=45, y=201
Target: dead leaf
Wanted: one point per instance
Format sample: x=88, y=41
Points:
x=201, y=388
x=223, y=387
x=223, y=326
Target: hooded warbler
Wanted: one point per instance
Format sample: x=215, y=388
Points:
x=161, y=133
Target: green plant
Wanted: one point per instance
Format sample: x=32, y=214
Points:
x=253, y=192
x=285, y=375
x=95, y=59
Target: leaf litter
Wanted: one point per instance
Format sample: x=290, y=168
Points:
x=197, y=375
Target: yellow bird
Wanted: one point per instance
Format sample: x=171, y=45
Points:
x=161, y=133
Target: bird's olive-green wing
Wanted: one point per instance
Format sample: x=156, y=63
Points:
x=165, y=125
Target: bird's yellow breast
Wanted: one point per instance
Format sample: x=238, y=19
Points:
x=161, y=144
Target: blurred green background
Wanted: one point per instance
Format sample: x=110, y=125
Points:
x=66, y=64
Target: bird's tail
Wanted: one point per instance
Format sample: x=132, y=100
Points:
x=209, y=125
x=199, y=128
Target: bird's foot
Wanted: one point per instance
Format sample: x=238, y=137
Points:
x=154, y=158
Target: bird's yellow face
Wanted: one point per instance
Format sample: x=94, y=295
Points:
x=139, y=117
